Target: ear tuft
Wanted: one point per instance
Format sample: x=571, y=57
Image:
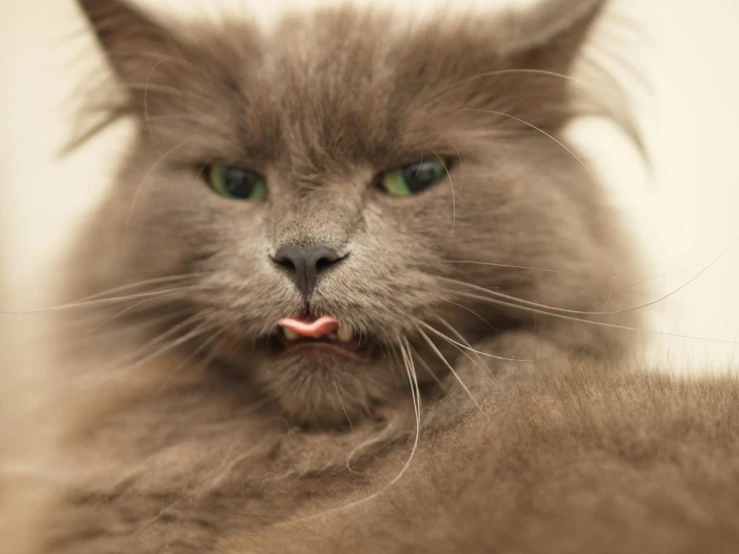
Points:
x=551, y=33
x=133, y=43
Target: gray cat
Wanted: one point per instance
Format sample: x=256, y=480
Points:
x=352, y=291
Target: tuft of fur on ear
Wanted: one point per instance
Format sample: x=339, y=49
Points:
x=178, y=70
x=552, y=36
x=519, y=68
x=547, y=40
x=133, y=42
x=134, y=46
x=550, y=33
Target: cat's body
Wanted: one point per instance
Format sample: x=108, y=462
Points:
x=451, y=388
x=574, y=459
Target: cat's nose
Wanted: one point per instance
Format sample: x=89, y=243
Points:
x=306, y=263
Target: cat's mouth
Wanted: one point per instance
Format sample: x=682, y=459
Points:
x=325, y=336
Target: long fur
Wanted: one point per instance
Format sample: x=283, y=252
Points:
x=490, y=404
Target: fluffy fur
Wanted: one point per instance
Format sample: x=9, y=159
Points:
x=486, y=410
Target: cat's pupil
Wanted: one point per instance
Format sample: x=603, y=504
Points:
x=239, y=183
x=421, y=175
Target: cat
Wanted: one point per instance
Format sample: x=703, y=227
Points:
x=352, y=289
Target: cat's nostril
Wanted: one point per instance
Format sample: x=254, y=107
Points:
x=305, y=263
x=325, y=263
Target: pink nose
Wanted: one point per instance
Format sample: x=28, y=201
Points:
x=313, y=329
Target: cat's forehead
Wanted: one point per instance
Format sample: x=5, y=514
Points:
x=347, y=83
x=348, y=86
x=270, y=14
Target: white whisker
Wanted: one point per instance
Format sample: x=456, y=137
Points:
x=148, y=174
x=416, y=397
x=104, y=301
x=481, y=365
x=587, y=321
x=509, y=266
x=448, y=365
x=452, y=341
x=603, y=312
x=341, y=403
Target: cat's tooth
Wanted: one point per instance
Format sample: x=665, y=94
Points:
x=290, y=334
x=345, y=333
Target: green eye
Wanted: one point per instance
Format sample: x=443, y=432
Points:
x=413, y=178
x=236, y=183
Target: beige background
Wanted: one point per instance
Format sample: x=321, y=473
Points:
x=686, y=217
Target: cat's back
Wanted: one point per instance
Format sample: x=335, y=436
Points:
x=577, y=463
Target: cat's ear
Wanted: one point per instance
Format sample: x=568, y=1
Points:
x=544, y=42
x=550, y=34
x=133, y=42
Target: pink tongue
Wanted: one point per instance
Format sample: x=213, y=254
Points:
x=314, y=329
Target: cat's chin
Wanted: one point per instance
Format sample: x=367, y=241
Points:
x=322, y=384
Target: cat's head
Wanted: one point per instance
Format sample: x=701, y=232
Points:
x=358, y=168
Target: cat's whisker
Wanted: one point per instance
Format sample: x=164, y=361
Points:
x=147, y=54
x=546, y=134
x=445, y=362
x=146, y=114
x=211, y=342
x=106, y=301
x=428, y=369
x=616, y=107
x=480, y=363
x=415, y=393
x=509, y=266
x=125, y=371
x=85, y=340
x=146, y=177
x=79, y=386
x=176, y=117
x=391, y=352
x=341, y=402
x=148, y=523
x=149, y=303
x=468, y=348
x=416, y=398
x=521, y=71
x=610, y=294
x=473, y=312
x=602, y=312
x=404, y=347
x=523, y=302
x=123, y=365
x=181, y=93
x=658, y=276
x=451, y=185
x=587, y=321
x=169, y=280
x=90, y=337
x=199, y=319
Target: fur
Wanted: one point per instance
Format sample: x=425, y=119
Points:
x=492, y=404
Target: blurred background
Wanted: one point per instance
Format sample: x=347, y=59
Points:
x=685, y=212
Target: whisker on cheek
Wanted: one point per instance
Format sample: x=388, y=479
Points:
x=585, y=321
x=449, y=366
x=601, y=312
x=444, y=386
x=466, y=347
x=109, y=301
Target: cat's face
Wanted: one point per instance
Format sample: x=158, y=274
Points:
x=266, y=165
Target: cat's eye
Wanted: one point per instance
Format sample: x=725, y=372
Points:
x=413, y=178
x=235, y=182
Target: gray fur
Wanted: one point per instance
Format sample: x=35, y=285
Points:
x=212, y=441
